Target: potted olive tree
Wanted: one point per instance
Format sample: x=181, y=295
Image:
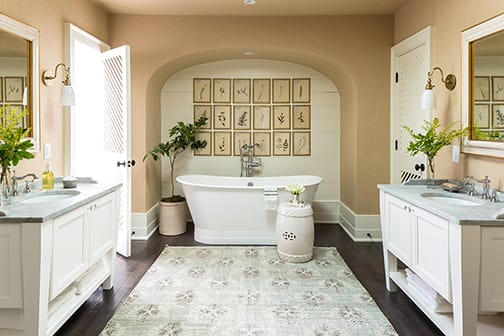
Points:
x=172, y=210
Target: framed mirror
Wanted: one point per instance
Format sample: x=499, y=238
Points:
x=483, y=87
x=19, y=72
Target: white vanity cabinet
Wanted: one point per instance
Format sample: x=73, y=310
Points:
x=461, y=261
x=54, y=266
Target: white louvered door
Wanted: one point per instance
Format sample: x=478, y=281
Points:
x=410, y=64
x=117, y=121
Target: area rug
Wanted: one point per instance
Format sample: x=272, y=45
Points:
x=247, y=291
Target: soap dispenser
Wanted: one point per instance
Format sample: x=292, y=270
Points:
x=48, y=178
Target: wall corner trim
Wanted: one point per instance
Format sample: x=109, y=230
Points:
x=143, y=225
x=358, y=226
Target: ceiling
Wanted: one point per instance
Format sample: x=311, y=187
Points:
x=262, y=7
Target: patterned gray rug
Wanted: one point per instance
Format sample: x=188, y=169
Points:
x=247, y=291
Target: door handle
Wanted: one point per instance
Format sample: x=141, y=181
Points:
x=129, y=163
x=420, y=167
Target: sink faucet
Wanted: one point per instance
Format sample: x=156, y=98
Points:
x=15, y=178
x=485, y=184
x=248, y=164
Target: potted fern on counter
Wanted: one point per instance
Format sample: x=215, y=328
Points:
x=172, y=210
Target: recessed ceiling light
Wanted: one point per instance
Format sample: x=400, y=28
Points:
x=249, y=2
x=249, y=53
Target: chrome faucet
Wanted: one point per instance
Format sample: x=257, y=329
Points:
x=248, y=164
x=485, y=184
x=15, y=178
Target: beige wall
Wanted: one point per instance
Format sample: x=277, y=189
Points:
x=448, y=18
x=49, y=17
x=353, y=51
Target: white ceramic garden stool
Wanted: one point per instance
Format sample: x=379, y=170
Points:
x=295, y=232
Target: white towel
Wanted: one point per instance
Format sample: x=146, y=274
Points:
x=270, y=198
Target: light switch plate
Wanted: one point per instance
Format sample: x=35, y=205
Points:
x=455, y=153
x=47, y=151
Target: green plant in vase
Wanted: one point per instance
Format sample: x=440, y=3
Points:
x=431, y=141
x=14, y=146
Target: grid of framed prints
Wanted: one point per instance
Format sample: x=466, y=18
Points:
x=274, y=113
x=488, y=109
x=11, y=93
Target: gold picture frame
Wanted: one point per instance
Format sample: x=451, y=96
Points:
x=241, y=91
x=498, y=116
x=262, y=117
x=301, y=143
x=241, y=117
x=202, y=89
x=222, y=116
x=481, y=116
x=222, y=144
x=498, y=88
x=222, y=90
x=481, y=88
x=281, y=144
x=261, y=90
x=301, y=117
x=207, y=151
x=263, y=141
x=281, y=117
x=240, y=139
x=14, y=89
x=281, y=90
x=203, y=111
x=301, y=90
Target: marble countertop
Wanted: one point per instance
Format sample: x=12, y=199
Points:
x=484, y=214
x=20, y=212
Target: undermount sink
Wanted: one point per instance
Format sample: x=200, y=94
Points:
x=452, y=199
x=50, y=196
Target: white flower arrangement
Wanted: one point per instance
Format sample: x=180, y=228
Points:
x=295, y=189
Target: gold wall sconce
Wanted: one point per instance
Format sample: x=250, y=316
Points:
x=428, y=96
x=67, y=92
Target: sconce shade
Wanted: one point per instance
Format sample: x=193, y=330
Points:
x=67, y=96
x=428, y=100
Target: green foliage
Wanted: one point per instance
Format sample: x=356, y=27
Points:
x=13, y=143
x=432, y=140
x=181, y=137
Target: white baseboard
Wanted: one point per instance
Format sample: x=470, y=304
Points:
x=326, y=211
x=358, y=226
x=143, y=225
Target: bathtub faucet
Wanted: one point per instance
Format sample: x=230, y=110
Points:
x=248, y=163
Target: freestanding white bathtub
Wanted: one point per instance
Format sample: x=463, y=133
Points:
x=231, y=210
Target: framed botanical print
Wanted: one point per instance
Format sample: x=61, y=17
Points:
x=14, y=89
x=222, y=116
x=481, y=116
x=222, y=143
x=263, y=141
x=301, y=116
x=301, y=144
x=222, y=90
x=481, y=88
x=301, y=91
x=281, y=117
x=207, y=151
x=281, y=90
x=240, y=139
x=498, y=88
x=203, y=111
x=1, y=89
x=261, y=91
x=241, y=91
x=241, y=117
x=498, y=116
x=201, y=90
x=262, y=117
x=281, y=143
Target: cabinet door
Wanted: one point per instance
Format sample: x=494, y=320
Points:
x=492, y=269
x=430, y=251
x=69, y=249
x=11, y=295
x=398, y=221
x=102, y=223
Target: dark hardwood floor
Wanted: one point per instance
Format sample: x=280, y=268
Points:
x=364, y=259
